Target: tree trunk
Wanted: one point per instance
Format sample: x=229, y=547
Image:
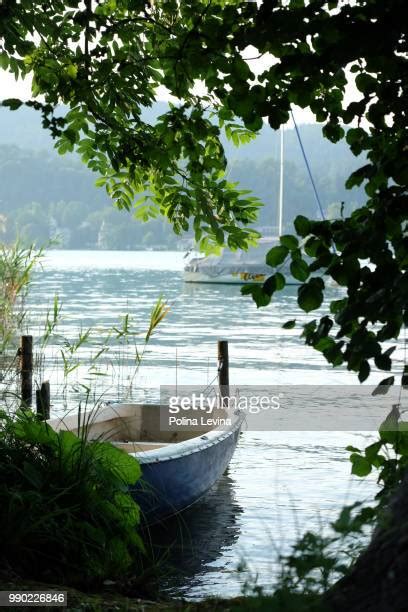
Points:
x=378, y=582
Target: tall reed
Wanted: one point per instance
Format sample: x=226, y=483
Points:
x=17, y=264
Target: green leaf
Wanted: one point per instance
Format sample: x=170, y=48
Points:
x=280, y=281
x=358, y=176
x=277, y=255
x=324, y=344
x=35, y=432
x=248, y=288
x=333, y=132
x=383, y=362
x=311, y=246
x=360, y=465
x=366, y=83
x=355, y=135
x=364, y=371
x=4, y=62
x=12, y=103
x=371, y=451
x=68, y=442
x=302, y=226
x=289, y=324
x=388, y=431
x=299, y=270
x=384, y=386
x=337, y=306
x=310, y=297
x=219, y=234
x=352, y=449
x=289, y=241
x=260, y=297
x=276, y=282
x=72, y=71
x=124, y=465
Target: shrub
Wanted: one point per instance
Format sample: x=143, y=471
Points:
x=65, y=511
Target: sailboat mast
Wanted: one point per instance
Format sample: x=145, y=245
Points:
x=280, y=217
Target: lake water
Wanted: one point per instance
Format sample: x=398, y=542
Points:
x=279, y=484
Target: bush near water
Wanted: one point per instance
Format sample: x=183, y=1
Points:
x=65, y=511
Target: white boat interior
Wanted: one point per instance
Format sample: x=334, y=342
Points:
x=132, y=427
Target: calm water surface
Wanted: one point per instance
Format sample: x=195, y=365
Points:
x=279, y=484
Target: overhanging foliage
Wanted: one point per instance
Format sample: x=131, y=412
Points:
x=106, y=59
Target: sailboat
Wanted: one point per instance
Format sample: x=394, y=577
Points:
x=241, y=267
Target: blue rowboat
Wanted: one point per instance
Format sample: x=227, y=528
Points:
x=178, y=466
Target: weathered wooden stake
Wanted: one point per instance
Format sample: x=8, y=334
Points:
x=26, y=368
x=223, y=369
x=43, y=401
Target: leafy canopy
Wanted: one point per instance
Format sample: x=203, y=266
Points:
x=106, y=60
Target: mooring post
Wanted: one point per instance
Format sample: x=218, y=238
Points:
x=223, y=370
x=43, y=400
x=26, y=368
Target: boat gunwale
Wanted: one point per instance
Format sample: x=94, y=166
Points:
x=191, y=446
x=178, y=449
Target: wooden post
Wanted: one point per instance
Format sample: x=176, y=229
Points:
x=43, y=401
x=26, y=368
x=223, y=369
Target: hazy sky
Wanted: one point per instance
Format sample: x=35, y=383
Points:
x=10, y=88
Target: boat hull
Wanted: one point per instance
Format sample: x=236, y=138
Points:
x=170, y=486
x=178, y=468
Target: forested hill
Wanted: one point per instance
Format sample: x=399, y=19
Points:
x=43, y=194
